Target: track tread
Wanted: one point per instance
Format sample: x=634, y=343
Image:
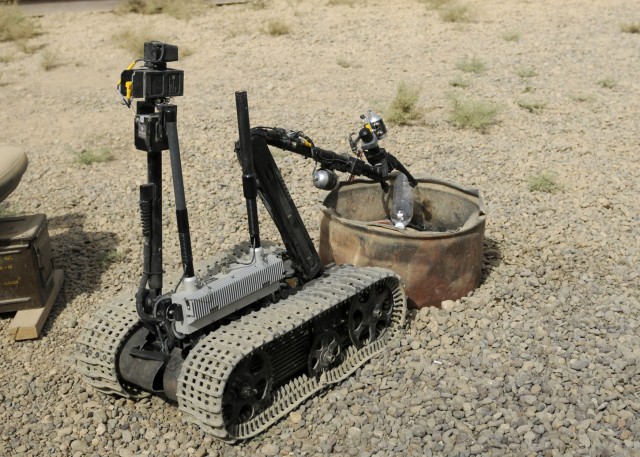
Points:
x=257, y=329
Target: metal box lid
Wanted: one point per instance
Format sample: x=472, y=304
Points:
x=20, y=228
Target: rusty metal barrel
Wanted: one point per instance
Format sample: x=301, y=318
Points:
x=438, y=256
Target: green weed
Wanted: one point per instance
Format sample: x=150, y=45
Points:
x=403, y=110
x=459, y=82
x=90, y=156
x=112, y=256
x=531, y=106
x=630, y=28
x=608, y=83
x=544, y=182
x=277, y=27
x=511, y=36
x=435, y=4
x=526, y=72
x=344, y=63
x=7, y=210
x=133, y=40
x=184, y=9
x=475, y=114
x=50, y=60
x=581, y=98
x=456, y=13
x=473, y=65
x=14, y=26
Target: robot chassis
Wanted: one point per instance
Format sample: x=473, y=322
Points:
x=252, y=333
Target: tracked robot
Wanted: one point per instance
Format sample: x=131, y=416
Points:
x=240, y=340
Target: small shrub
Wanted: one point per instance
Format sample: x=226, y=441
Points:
x=459, y=82
x=475, y=114
x=435, y=4
x=344, y=63
x=277, y=27
x=259, y=4
x=140, y=6
x=532, y=107
x=456, y=13
x=133, y=41
x=473, y=65
x=89, y=157
x=528, y=89
x=112, y=256
x=608, y=83
x=403, y=110
x=341, y=2
x=511, y=36
x=544, y=182
x=14, y=26
x=28, y=48
x=184, y=9
x=526, y=72
x=6, y=210
x=582, y=98
x=50, y=60
x=630, y=28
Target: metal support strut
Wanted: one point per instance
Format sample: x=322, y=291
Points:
x=170, y=114
x=249, y=184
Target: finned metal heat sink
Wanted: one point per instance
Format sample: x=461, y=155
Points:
x=228, y=291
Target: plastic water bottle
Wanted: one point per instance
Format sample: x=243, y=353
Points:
x=402, y=203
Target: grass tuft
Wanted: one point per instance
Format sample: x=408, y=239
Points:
x=456, y=13
x=14, y=26
x=112, y=256
x=581, y=98
x=6, y=210
x=511, y=36
x=526, y=72
x=403, y=110
x=341, y=2
x=277, y=27
x=544, y=182
x=474, y=114
x=459, y=82
x=608, y=83
x=133, y=41
x=6, y=58
x=184, y=9
x=435, y=4
x=630, y=28
x=473, y=65
x=50, y=60
x=259, y=4
x=89, y=157
x=344, y=63
x=531, y=106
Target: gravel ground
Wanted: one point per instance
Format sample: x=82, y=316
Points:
x=541, y=359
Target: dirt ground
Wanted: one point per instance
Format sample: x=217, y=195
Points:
x=569, y=59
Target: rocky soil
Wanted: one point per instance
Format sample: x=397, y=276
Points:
x=541, y=359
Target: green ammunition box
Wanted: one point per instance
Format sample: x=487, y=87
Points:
x=26, y=269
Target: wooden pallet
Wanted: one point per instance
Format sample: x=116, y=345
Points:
x=27, y=323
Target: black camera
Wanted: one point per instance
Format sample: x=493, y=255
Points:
x=154, y=80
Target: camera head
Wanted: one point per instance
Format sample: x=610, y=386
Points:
x=157, y=54
x=154, y=81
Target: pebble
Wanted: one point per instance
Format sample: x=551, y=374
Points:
x=270, y=449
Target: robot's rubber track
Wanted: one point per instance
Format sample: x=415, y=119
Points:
x=211, y=362
x=104, y=333
x=99, y=343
